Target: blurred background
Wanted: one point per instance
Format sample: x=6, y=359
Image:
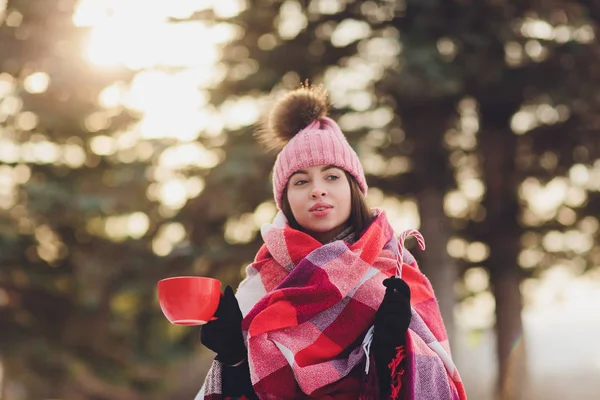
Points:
x=127, y=155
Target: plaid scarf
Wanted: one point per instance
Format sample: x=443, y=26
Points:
x=308, y=309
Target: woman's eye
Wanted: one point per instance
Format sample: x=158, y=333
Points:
x=300, y=182
x=332, y=177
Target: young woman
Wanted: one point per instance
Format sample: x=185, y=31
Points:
x=323, y=312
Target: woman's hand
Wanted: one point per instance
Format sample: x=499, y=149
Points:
x=391, y=323
x=394, y=313
x=224, y=334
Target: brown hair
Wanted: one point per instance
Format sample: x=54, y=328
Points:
x=360, y=215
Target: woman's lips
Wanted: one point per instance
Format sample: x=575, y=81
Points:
x=320, y=204
x=321, y=212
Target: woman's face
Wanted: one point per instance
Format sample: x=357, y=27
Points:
x=320, y=199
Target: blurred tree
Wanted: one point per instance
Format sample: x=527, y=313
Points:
x=539, y=74
x=77, y=278
x=502, y=55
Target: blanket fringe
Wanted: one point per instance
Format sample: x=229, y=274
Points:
x=397, y=369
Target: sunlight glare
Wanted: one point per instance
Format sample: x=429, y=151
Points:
x=447, y=48
x=14, y=19
x=327, y=7
x=530, y=258
x=50, y=248
x=103, y=145
x=578, y=241
x=576, y=197
x=168, y=236
x=7, y=84
x=291, y=20
x=349, y=31
x=264, y=213
x=112, y=96
x=402, y=214
x=585, y=34
x=472, y=188
x=173, y=193
x=97, y=121
x=536, y=28
x=190, y=154
x=228, y=8
x=477, y=279
x=11, y=105
x=46, y=152
x=553, y=241
x=240, y=112
x=523, y=121
x=547, y=114
x=21, y=173
x=9, y=151
x=456, y=247
x=589, y=225
x=456, y=204
x=194, y=185
x=172, y=105
x=129, y=139
x=579, y=174
x=566, y=216
x=240, y=229
x=174, y=232
x=117, y=227
x=544, y=199
x=37, y=82
x=150, y=45
x=137, y=224
x=161, y=247
x=513, y=53
x=477, y=252
x=74, y=155
x=26, y=121
x=373, y=163
x=114, y=41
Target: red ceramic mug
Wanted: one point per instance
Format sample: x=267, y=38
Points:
x=189, y=300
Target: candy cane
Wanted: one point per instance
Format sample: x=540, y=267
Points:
x=399, y=256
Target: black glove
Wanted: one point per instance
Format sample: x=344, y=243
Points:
x=236, y=382
x=391, y=323
x=393, y=315
x=224, y=334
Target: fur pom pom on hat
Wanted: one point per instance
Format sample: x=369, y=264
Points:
x=298, y=124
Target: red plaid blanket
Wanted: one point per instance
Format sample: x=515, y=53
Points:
x=308, y=308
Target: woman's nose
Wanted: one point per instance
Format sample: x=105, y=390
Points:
x=317, y=192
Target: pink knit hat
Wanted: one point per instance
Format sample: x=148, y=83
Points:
x=319, y=141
